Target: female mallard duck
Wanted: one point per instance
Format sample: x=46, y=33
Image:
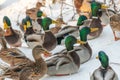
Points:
x=12, y=56
x=66, y=61
x=115, y=24
x=104, y=72
x=31, y=70
x=33, y=11
x=13, y=37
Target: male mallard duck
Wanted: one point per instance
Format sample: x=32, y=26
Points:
x=104, y=72
x=13, y=37
x=50, y=41
x=58, y=65
x=33, y=11
x=66, y=61
x=31, y=70
x=86, y=52
x=47, y=39
x=32, y=37
x=92, y=23
x=98, y=9
x=12, y=56
x=115, y=24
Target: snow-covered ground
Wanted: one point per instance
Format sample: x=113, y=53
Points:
x=105, y=42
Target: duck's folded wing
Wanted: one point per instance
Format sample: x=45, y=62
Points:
x=58, y=61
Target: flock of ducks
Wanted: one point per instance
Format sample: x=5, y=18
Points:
x=42, y=39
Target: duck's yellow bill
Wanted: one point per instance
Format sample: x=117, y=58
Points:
x=5, y=26
x=28, y=24
x=81, y=42
x=93, y=29
x=44, y=15
x=103, y=6
x=25, y=27
x=54, y=22
x=97, y=57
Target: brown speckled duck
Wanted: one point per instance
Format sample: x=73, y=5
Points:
x=31, y=70
x=13, y=37
x=33, y=11
x=12, y=56
x=115, y=24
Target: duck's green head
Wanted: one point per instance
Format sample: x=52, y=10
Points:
x=96, y=8
x=69, y=42
x=40, y=14
x=81, y=20
x=103, y=59
x=46, y=22
x=6, y=22
x=28, y=22
x=84, y=32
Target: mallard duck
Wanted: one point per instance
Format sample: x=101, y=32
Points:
x=58, y=65
x=66, y=61
x=100, y=10
x=13, y=37
x=92, y=23
x=12, y=56
x=32, y=35
x=33, y=11
x=31, y=70
x=115, y=24
x=32, y=38
x=50, y=41
x=86, y=52
x=104, y=72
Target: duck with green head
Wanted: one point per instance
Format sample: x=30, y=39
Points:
x=69, y=30
x=85, y=51
x=99, y=10
x=92, y=23
x=50, y=41
x=66, y=61
x=32, y=36
x=13, y=37
x=104, y=72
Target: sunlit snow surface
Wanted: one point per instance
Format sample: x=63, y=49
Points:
x=105, y=42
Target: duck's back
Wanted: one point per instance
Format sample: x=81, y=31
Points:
x=115, y=22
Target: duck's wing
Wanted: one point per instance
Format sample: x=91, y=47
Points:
x=25, y=73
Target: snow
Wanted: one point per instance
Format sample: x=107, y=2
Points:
x=105, y=42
